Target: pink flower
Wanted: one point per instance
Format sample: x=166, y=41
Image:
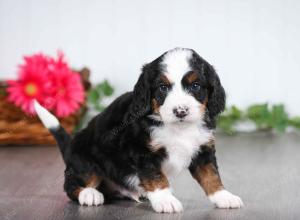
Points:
x=67, y=92
x=32, y=83
x=49, y=81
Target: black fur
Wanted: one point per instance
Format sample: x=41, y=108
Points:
x=62, y=137
x=215, y=91
x=205, y=156
x=115, y=144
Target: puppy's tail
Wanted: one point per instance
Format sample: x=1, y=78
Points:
x=62, y=138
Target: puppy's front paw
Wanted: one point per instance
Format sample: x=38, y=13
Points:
x=164, y=201
x=224, y=199
x=90, y=196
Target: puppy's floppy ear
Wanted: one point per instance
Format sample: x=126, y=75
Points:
x=216, y=93
x=140, y=105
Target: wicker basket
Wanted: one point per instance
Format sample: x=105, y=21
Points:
x=17, y=128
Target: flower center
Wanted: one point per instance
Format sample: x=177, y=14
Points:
x=31, y=89
x=61, y=91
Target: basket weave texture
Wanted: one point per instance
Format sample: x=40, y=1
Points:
x=18, y=128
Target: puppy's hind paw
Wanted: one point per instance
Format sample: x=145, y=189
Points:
x=90, y=197
x=226, y=200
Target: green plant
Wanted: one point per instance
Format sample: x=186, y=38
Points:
x=294, y=122
x=95, y=97
x=3, y=88
x=265, y=117
x=97, y=93
x=229, y=118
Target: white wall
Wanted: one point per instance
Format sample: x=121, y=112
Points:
x=254, y=44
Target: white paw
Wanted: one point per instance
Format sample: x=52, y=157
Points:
x=164, y=201
x=225, y=200
x=90, y=196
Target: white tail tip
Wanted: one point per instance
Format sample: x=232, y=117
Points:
x=49, y=120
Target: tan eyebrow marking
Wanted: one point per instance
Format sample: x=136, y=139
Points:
x=191, y=77
x=165, y=79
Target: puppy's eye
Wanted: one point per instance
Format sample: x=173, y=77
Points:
x=195, y=87
x=163, y=88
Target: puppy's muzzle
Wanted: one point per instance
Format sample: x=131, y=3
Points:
x=181, y=111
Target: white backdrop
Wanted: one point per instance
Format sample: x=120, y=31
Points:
x=254, y=44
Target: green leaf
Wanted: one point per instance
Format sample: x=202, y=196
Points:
x=229, y=118
x=260, y=115
x=295, y=122
x=105, y=88
x=93, y=96
x=226, y=124
x=3, y=88
x=235, y=113
x=99, y=108
x=279, y=118
x=97, y=93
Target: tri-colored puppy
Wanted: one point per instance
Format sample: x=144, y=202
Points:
x=149, y=135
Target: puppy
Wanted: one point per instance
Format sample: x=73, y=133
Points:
x=147, y=136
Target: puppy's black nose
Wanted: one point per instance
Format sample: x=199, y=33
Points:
x=181, y=112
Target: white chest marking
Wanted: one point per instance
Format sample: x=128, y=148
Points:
x=181, y=143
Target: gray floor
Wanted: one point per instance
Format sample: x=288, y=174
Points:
x=262, y=169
